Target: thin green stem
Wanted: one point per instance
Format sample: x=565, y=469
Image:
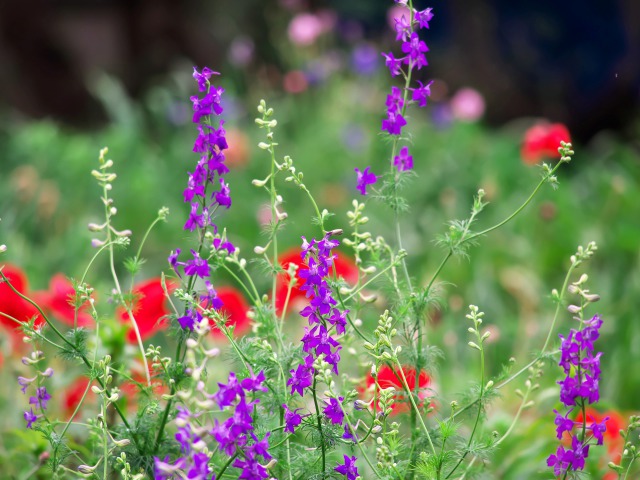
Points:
x=315, y=402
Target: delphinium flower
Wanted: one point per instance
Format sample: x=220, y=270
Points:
x=324, y=320
x=578, y=389
x=413, y=58
x=40, y=400
x=206, y=192
x=193, y=461
x=235, y=436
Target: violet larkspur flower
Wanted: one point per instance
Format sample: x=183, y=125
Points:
x=421, y=93
x=403, y=161
x=206, y=189
x=302, y=376
x=424, y=17
x=393, y=123
x=41, y=399
x=392, y=63
x=348, y=468
x=415, y=48
x=333, y=411
x=30, y=417
x=579, y=387
x=291, y=419
x=365, y=178
x=203, y=77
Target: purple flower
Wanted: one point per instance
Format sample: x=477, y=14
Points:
x=393, y=123
x=403, y=161
x=414, y=47
x=402, y=27
x=421, y=93
x=598, y=429
x=424, y=17
x=41, y=399
x=348, y=468
x=560, y=461
x=365, y=178
x=203, y=77
x=333, y=411
x=579, y=387
x=302, y=376
x=198, y=266
x=392, y=63
x=395, y=101
x=564, y=424
x=30, y=417
x=24, y=383
x=291, y=419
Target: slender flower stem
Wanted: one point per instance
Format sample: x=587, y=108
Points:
x=319, y=415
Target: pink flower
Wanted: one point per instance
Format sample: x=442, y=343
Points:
x=467, y=105
x=305, y=28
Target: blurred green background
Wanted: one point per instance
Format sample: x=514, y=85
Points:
x=125, y=84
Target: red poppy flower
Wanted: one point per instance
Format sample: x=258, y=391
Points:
x=73, y=394
x=542, y=141
x=392, y=378
x=130, y=388
x=58, y=300
x=344, y=268
x=148, y=309
x=235, y=308
x=612, y=439
x=11, y=304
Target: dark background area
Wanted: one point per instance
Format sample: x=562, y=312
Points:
x=577, y=62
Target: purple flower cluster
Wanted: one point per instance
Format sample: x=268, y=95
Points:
x=321, y=313
x=195, y=463
x=323, y=317
x=414, y=51
x=235, y=435
x=579, y=388
x=39, y=401
x=413, y=57
x=206, y=190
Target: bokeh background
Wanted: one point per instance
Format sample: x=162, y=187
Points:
x=79, y=75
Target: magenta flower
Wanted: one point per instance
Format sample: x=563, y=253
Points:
x=348, y=468
x=365, y=178
x=403, y=161
x=421, y=93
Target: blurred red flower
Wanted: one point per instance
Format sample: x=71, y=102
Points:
x=73, y=394
x=58, y=300
x=612, y=439
x=148, y=309
x=235, y=308
x=542, y=141
x=344, y=268
x=392, y=378
x=11, y=304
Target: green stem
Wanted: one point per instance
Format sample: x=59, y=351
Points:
x=315, y=402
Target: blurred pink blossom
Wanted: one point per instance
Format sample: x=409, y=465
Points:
x=396, y=12
x=467, y=105
x=305, y=28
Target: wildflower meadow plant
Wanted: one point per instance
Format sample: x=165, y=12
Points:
x=353, y=393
